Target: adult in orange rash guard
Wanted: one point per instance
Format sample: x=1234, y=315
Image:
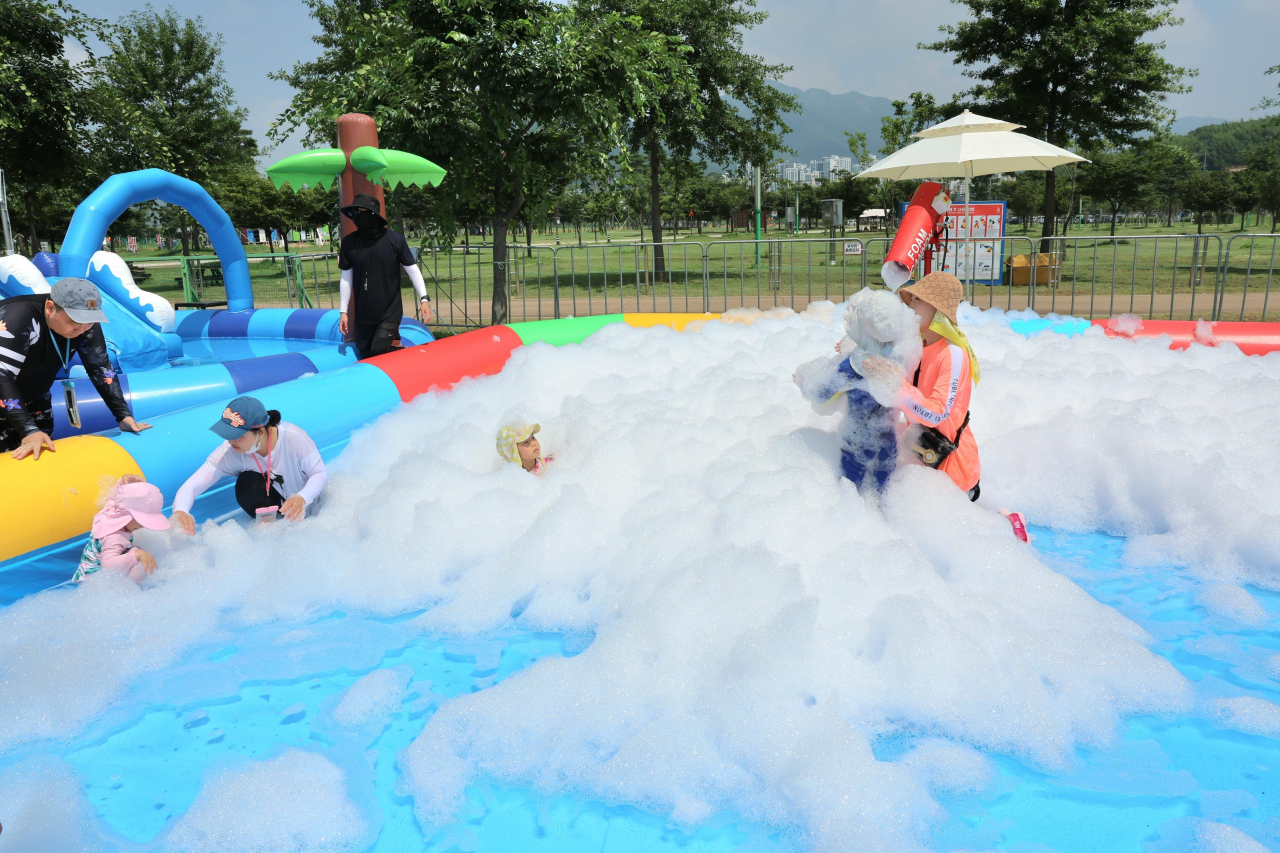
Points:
x=938, y=395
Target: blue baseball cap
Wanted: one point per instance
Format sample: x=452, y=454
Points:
x=241, y=415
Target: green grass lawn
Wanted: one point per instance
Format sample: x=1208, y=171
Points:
x=1155, y=271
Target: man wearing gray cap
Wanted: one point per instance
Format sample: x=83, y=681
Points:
x=39, y=336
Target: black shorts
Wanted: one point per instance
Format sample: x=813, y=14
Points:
x=41, y=411
x=376, y=338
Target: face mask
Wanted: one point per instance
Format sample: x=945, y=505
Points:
x=365, y=220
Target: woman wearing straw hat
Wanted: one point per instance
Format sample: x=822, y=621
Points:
x=937, y=398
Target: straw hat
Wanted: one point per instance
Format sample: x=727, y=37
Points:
x=942, y=290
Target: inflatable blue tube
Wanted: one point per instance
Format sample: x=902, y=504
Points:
x=179, y=442
x=117, y=193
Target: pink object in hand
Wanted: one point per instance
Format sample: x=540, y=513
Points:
x=267, y=514
x=1019, y=523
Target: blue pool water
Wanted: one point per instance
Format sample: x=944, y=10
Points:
x=143, y=764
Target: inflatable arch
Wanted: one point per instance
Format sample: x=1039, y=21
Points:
x=95, y=214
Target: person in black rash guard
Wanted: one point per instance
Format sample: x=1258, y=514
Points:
x=39, y=334
x=371, y=259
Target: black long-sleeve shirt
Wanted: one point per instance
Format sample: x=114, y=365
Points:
x=29, y=362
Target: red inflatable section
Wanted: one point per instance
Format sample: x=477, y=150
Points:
x=1252, y=338
x=447, y=361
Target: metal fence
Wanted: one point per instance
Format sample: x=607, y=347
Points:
x=195, y=281
x=1159, y=277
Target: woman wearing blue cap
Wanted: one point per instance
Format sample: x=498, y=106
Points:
x=275, y=463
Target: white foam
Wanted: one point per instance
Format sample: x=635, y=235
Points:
x=1248, y=714
x=1235, y=603
x=1197, y=835
x=372, y=700
x=1166, y=447
x=760, y=629
x=43, y=809
x=296, y=801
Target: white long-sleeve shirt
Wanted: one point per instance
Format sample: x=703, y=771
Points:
x=296, y=468
x=415, y=278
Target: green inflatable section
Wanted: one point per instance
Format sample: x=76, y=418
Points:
x=570, y=330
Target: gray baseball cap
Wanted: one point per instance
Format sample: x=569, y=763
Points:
x=80, y=299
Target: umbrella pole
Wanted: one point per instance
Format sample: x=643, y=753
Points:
x=970, y=262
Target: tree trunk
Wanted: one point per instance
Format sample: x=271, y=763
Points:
x=31, y=225
x=528, y=237
x=501, y=220
x=655, y=214
x=1115, y=211
x=1050, y=227
x=182, y=232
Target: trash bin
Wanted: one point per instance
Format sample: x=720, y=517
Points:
x=1048, y=271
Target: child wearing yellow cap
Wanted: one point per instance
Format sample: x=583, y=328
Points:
x=517, y=443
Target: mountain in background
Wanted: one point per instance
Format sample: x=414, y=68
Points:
x=1186, y=124
x=1227, y=144
x=819, y=130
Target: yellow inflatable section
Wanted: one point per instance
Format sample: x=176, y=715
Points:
x=64, y=486
x=675, y=321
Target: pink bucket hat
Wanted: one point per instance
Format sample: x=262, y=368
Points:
x=141, y=502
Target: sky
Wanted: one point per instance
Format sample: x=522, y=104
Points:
x=867, y=46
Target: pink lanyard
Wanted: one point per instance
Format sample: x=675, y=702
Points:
x=254, y=454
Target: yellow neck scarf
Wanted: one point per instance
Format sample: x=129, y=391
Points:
x=943, y=326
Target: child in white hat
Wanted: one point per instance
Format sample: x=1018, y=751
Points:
x=517, y=443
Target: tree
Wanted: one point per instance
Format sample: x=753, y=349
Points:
x=1244, y=194
x=45, y=106
x=1268, y=103
x=1264, y=163
x=1169, y=167
x=909, y=118
x=1206, y=192
x=708, y=123
x=165, y=74
x=1119, y=177
x=1082, y=69
x=495, y=91
x=1025, y=196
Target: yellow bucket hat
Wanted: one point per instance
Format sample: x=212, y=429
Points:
x=511, y=435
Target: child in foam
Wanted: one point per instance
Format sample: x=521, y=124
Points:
x=937, y=397
x=517, y=443
x=275, y=463
x=876, y=324
x=130, y=506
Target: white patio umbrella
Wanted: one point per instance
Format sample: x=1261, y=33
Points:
x=966, y=146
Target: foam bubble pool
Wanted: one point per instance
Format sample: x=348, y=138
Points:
x=690, y=635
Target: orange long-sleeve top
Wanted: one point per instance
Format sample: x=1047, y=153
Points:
x=940, y=399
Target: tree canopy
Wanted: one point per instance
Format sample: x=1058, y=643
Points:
x=165, y=103
x=1119, y=177
x=704, y=120
x=494, y=91
x=1084, y=71
x=45, y=107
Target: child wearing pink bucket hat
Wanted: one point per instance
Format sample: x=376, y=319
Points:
x=131, y=505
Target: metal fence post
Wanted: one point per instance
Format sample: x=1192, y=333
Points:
x=555, y=280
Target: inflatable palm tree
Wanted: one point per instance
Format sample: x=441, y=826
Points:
x=358, y=165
